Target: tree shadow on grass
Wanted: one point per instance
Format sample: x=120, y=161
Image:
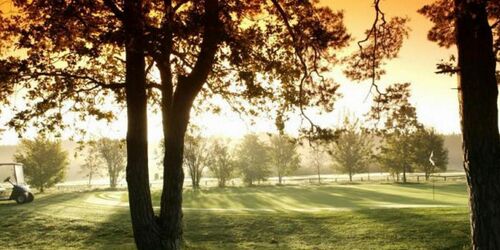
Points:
x=430, y=228
x=115, y=232
x=254, y=231
x=362, y=229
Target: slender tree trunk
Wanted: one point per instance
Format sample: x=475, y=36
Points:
x=112, y=181
x=146, y=231
x=404, y=174
x=478, y=107
x=319, y=176
x=193, y=177
x=279, y=179
x=350, y=176
x=198, y=179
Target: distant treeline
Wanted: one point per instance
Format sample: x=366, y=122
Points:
x=452, y=142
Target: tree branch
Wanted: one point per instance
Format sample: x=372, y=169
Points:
x=205, y=59
x=114, y=8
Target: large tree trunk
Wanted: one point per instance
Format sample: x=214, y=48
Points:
x=175, y=125
x=478, y=107
x=146, y=231
x=176, y=107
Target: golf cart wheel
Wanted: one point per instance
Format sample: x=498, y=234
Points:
x=30, y=198
x=20, y=199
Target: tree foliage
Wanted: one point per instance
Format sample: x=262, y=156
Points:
x=222, y=163
x=317, y=157
x=395, y=119
x=92, y=166
x=253, y=159
x=283, y=155
x=352, y=151
x=113, y=154
x=44, y=162
x=429, y=153
x=73, y=55
x=196, y=157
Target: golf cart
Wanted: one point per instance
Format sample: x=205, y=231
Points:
x=17, y=189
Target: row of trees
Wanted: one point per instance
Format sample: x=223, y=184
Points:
x=105, y=156
x=354, y=151
x=253, y=159
x=403, y=144
x=45, y=162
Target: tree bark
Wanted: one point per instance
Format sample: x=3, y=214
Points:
x=176, y=108
x=146, y=231
x=479, y=120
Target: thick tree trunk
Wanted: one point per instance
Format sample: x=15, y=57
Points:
x=176, y=107
x=175, y=126
x=479, y=113
x=146, y=231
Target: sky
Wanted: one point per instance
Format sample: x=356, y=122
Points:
x=433, y=95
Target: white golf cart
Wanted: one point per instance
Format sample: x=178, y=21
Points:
x=13, y=186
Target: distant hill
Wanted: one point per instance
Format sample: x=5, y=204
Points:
x=7, y=153
x=453, y=143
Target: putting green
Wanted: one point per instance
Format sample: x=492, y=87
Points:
x=309, y=198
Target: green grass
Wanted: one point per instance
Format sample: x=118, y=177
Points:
x=258, y=218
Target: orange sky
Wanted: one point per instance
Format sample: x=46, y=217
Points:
x=436, y=101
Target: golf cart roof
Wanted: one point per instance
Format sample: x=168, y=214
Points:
x=10, y=164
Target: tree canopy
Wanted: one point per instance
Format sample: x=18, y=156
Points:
x=44, y=162
x=352, y=151
x=253, y=159
x=283, y=155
